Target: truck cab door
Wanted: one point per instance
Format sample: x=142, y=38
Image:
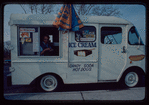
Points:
x=113, y=51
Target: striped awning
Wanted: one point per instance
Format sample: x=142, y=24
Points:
x=67, y=19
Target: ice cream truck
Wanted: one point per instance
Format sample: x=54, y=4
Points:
x=106, y=49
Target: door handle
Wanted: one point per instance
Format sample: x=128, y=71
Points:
x=124, y=50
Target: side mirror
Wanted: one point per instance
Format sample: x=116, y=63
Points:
x=139, y=40
x=138, y=43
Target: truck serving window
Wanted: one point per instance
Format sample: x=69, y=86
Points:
x=86, y=34
x=133, y=37
x=38, y=41
x=111, y=35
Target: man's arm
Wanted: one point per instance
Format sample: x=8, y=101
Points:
x=42, y=52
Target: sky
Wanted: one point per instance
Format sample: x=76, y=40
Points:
x=135, y=13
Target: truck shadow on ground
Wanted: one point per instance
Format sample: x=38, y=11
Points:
x=68, y=88
x=92, y=87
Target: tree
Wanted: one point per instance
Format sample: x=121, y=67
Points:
x=100, y=10
x=107, y=10
x=81, y=9
x=38, y=8
x=6, y=50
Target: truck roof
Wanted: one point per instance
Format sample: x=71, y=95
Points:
x=46, y=19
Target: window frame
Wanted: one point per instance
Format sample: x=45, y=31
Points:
x=137, y=34
x=37, y=26
x=88, y=41
x=111, y=27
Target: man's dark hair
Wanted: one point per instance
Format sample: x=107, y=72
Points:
x=46, y=36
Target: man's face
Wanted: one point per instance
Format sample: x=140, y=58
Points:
x=45, y=39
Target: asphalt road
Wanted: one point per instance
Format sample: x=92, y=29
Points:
x=125, y=94
x=104, y=91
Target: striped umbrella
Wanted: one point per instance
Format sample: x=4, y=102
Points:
x=67, y=19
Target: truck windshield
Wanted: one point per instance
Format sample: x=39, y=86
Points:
x=134, y=37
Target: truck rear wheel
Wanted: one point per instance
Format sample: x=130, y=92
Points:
x=48, y=83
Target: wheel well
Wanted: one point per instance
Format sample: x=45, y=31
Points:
x=135, y=69
x=39, y=77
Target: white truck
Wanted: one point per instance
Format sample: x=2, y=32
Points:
x=106, y=49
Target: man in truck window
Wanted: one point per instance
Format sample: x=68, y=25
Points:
x=45, y=47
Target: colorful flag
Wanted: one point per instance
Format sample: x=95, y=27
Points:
x=67, y=19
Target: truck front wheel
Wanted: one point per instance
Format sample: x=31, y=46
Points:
x=131, y=79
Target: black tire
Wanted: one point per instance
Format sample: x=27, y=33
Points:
x=48, y=83
x=131, y=79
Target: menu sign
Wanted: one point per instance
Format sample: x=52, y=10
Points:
x=24, y=34
x=27, y=29
x=85, y=35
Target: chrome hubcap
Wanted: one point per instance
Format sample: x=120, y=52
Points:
x=48, y=83
x=131, y=79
